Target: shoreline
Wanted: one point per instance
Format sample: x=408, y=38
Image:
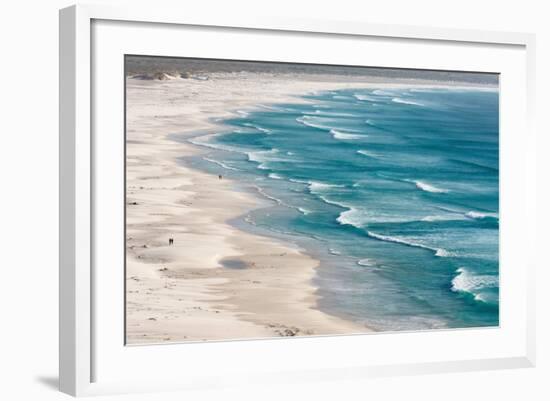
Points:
x=169, y=298
x=174, y=295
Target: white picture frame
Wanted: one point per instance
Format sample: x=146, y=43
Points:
x=82, y=344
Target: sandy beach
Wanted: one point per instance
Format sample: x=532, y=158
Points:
x=188, y=291
x=183, y=292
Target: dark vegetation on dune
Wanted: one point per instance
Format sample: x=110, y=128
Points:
x=163, y=68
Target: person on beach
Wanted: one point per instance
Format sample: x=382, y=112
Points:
x=220, y=176
x=170, y=241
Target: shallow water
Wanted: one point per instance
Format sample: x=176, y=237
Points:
x=396, y=191
x=233, y=264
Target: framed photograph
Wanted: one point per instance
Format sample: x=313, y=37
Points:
x=270, y=200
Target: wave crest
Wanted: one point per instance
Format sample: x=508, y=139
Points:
x=316, y=186
x=364, y=262
x=351, y=217
x=404, y=101
x=258, y=128
x=310, y=122
x=368, y=154
x=221, y=164
x=344, y=135
x=206, y=141
x=264, y=156
x=440, y=252
x=365, y=98
x=381, y=92
x=466, y=281
x=472, y=214
x=323, y=113
x=429, y=188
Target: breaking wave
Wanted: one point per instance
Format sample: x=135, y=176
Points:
x=310, y=122
x=468, y=282
x=221, y=164
x=404, y=101
x=429, y=188
x=344, y=135
x=437, y=251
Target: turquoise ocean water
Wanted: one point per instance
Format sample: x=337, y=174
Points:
x=394, y=190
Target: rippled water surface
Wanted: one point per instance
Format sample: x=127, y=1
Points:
x=394, y=190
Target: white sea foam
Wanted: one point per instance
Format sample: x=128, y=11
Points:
x=272, y=198
x=368, y=154
x=324, y=113
x=351, y=217
x=364, y=262
x=478, y=215
x=264, y=156
x=263, y=166
x=258, y=128
x=365, y=98
x=440, y=252
x=275, y=176
x=440, y=218
x=205, y=141
x=281, y=202
x=380, y=92
x=344, y=135
x=249, y=220
x=331, y=202
x=299, y=181
x=221, y=164
x=448, y=209
x=333, y=251
x=316, y=186
x=466, y=281
x=396, y=240
x=475, y=215
x=429, y=188
x=264, y=130
x=304, y=211
x=310, y=122
x=480, y=298
x=358, y=217
x=405, y=101
x=269, y=107
x=432, y=218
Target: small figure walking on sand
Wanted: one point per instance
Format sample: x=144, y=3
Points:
x=220, y=176
x=170, y=241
